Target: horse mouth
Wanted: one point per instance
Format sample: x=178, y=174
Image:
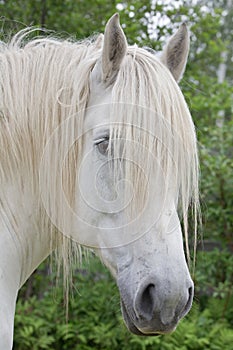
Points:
x=136, y=330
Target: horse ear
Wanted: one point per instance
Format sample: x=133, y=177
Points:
x=114, y=49
x=175, y=54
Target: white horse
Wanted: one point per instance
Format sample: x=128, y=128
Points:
x=97, y=149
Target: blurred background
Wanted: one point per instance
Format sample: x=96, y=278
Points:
x=94, y=320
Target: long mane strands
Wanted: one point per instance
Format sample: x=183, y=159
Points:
x=147, y=98
x=43, y=82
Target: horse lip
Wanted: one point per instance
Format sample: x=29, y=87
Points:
x=187, y=307
x=136, y=330
x=128, y=321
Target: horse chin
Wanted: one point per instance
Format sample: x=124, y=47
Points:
x=135, y=330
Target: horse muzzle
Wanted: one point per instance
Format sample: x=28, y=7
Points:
x=155, y=311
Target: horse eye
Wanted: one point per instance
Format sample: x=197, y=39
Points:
x=103, y=146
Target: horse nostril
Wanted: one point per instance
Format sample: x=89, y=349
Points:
x=191, y=292
x=147, y=301
x=162, y=306
x=189, y=302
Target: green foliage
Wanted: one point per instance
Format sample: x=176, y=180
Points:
x=216, y=175
x=213, y=278
x=210, y=102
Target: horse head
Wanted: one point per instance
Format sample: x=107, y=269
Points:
x=140, y=243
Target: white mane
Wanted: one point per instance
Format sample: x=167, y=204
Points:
x=45, y=81
x=42, y=83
